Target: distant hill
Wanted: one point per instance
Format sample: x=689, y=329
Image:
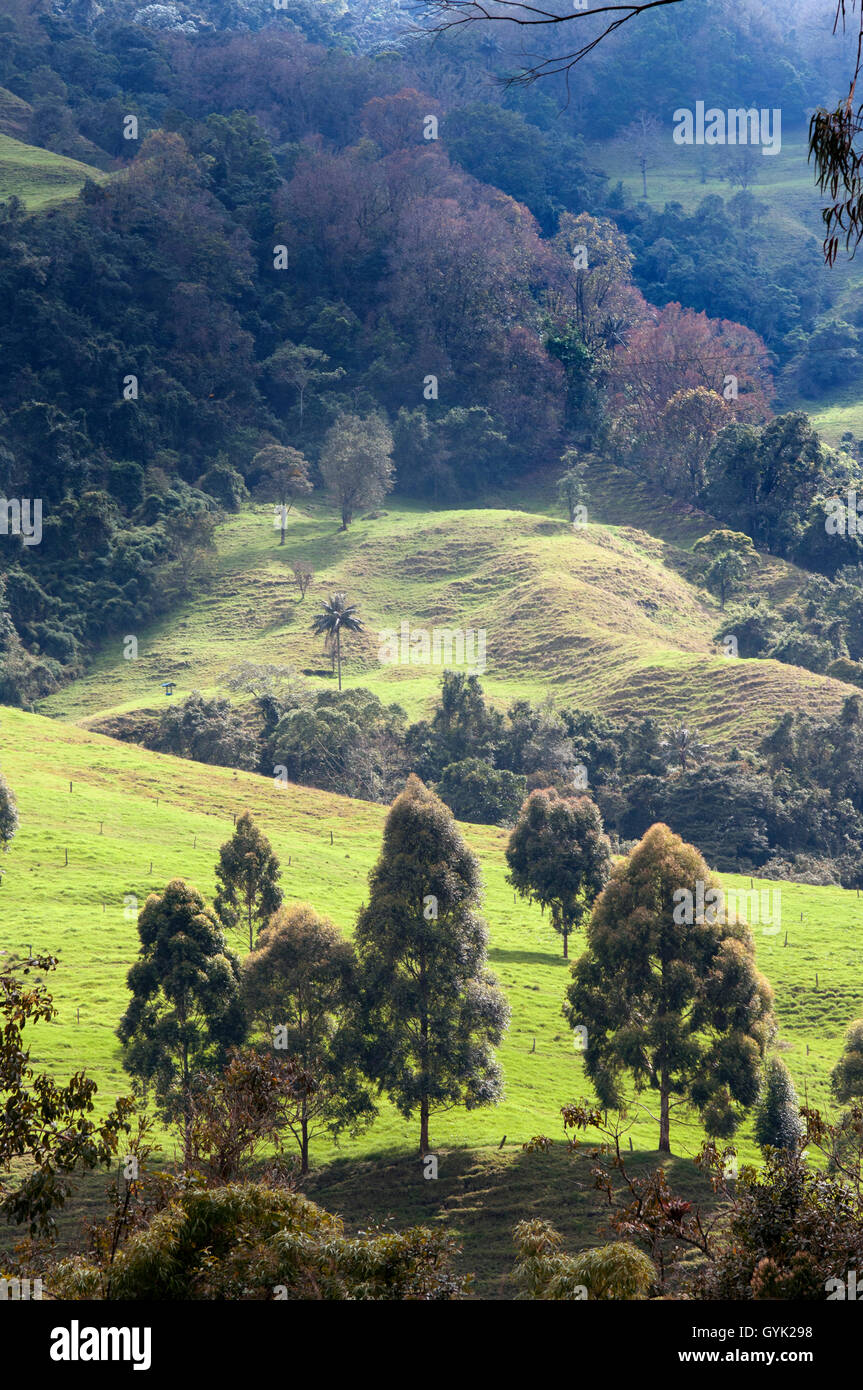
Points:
x=39, y=177
x=605, y=617
x=14, y=114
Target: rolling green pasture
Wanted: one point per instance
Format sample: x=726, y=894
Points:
x=688, y=173
x=173, y=815
x=601, y=616
x=39, y=177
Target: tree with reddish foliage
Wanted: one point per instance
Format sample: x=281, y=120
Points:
x=399, y=120
x=677, y=349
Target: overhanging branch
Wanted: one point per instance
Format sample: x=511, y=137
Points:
x=454, y=14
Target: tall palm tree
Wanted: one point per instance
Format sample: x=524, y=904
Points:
x=683, y=746
x=336, y=616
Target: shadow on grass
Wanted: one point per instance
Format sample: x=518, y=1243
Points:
x=504, y=957
x=480, y=1194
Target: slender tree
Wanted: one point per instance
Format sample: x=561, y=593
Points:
x=428, y=1010
x=336, y=616
x=303, y=576
x=777, y=1119
x=297, y=985
x=571, y=486
x=668, y=992
x=284, y=476
x=356, y=463
x=302, y=369
x=185, y=1009
x=248, y=877
x=846, y=1078
x=559, y=857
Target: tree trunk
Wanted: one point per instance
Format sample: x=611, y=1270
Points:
x=187, y=1118
x=339, y=655
x=304, y=1145
x=424, y=1055
x=566, y=943
x=664, y=1115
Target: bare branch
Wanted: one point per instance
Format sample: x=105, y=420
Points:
x=454, y=14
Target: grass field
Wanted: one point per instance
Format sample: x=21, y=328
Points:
x=843, y=413
x=15, y=114
x=601, y=616
x=39, y=177
x=174, y=815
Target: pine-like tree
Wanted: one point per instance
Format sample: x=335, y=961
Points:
x=559, y=857
x=248, y=876
x=429, y=1012
x=777, y=1119
x=185, y=1009
x=668, y=991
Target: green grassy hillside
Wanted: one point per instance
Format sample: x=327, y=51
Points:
x=602, y=616
x=133, y=820
x=39, y=177
x=15, y=114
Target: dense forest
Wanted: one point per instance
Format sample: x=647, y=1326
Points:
x=258, y=268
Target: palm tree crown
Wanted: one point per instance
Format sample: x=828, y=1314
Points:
x=683, y=746
x=336, y=616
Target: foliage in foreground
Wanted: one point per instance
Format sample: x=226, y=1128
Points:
x=543, y=1271
x=792, y=1231
x=43, y=1124
x=785, y=1229
x=252, y=1242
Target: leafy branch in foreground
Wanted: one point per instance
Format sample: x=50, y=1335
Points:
x=838, y=165
x=784, y=1229
x=43, y=1124
x=644, y=1208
